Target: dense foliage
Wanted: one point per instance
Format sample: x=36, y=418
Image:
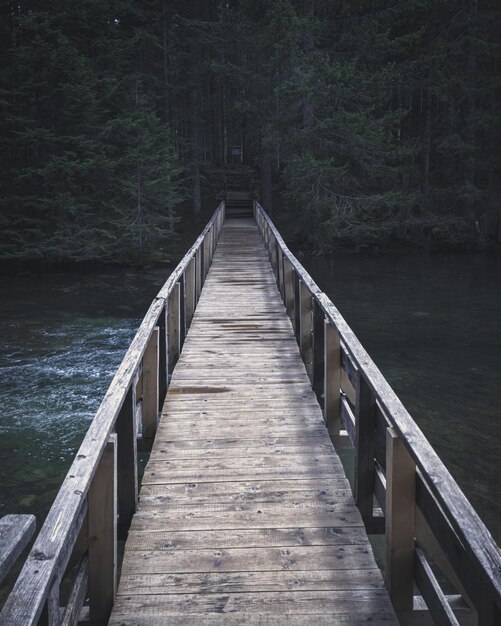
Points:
x=376, y=121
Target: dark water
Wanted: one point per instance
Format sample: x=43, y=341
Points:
x=62, y=338
x=432, y=324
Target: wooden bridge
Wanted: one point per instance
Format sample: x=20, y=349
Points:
x=245, y=514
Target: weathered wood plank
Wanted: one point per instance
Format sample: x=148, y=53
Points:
x=150, y=390
x=15, y=533
x=306, y=603
x=103, y=534
x=240, y=582
x=246, y=538
x=291, y=558
x=243, y=491
x=127, y=617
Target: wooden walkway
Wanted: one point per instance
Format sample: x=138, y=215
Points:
x=245, y=513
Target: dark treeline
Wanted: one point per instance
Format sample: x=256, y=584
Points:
x=374, y=121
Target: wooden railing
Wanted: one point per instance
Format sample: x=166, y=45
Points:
x=93, y=509
x=401, y=486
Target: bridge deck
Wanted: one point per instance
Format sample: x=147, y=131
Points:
x=246, y=515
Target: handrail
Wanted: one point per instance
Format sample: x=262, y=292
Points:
x=435, y=512
x=15, y=533
x=85, y=508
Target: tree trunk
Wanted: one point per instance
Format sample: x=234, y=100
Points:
x=427, y=142
x=309, y=49
x=165, y=62
x=195, y=150
x=469, y=116
x=266, y=182
x=217, y=123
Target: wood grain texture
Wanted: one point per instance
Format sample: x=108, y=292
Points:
x=455, y=511
x=15, y=532
x=245, y=511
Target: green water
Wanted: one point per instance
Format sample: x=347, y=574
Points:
x=430, y=323
x=63, y=336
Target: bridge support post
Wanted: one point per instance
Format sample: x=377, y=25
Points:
x=364, y=451
x=150, y=387
x=306, y=327
x=163, y=381
x=198, y=275
x=289, y=289
x=318, y=318
x=182, y=311
x=126, y=429
x=173, y=326
x=400, y=521
x=332, y=379
x=190, y=291
x=280, y=272
x=103, y=534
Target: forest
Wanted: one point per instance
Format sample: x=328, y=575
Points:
x=363, y=123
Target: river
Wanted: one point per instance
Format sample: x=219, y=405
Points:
x=431, y=323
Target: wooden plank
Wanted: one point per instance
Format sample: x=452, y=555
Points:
x=433, y=595
x=15, y=533
x=126, y=617
x=244, y=491
x=306, y=603
x=291, y=558
x=71, y=613
x=277, y=496
x=251, y=582
x=161, y=540
x=236, y=446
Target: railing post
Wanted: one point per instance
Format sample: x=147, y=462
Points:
x=162, y=357
x=280, y=271
x=289, y=288
x=364, y=450
x=306, y=327
x=102, y=500
x=208, y=236
x=126, y=429
x=198, y=275
x=189, y=288
x=297, y=311
x=173, y=326
x=150, y=387
x=208, y=256
x=318, y=351
x=332, y=378
x=182, y=312
x=400, y=521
